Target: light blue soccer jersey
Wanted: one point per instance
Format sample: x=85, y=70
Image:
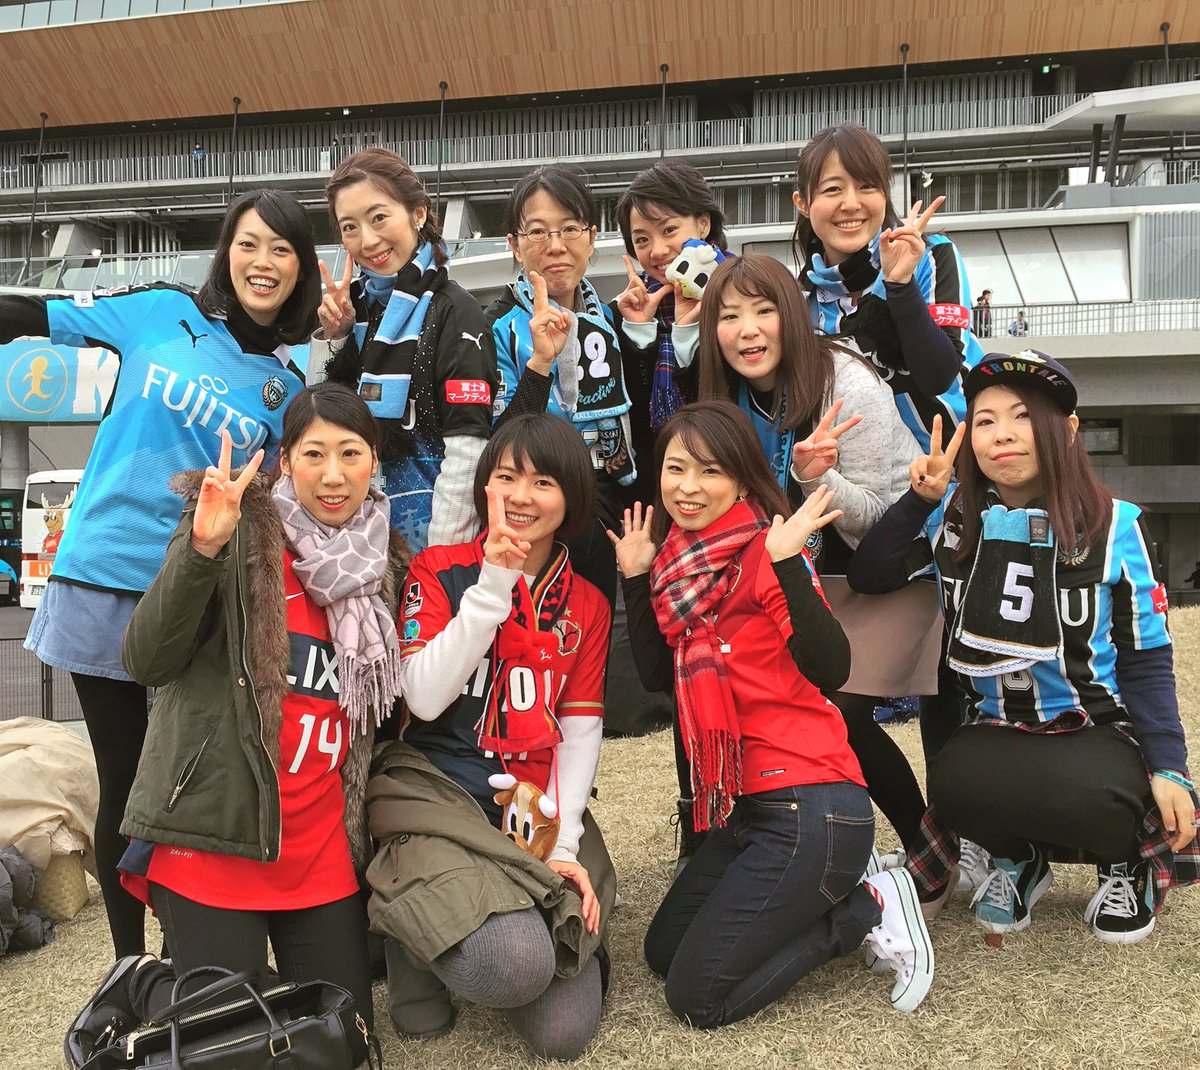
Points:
x=183, y=379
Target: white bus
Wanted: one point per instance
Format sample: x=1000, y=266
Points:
x=48, y=499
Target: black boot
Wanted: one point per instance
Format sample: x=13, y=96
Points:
x=687, y=839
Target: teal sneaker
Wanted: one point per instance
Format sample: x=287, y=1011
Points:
x=1005, y=898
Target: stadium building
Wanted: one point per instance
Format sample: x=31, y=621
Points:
x=1065, y=140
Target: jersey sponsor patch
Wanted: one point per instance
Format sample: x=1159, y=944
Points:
x=951, y=315
x=1159, y=598
x=83, y=299
x=468, y=392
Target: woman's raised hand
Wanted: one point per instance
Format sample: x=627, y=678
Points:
x=814, y=456
x=636, y=303
x=932, y=473
x=502, y=547
x=901, y=248
x=548, y=327
x=219, y=505
x=788, y=537
x=336, y=311
x=635, y=550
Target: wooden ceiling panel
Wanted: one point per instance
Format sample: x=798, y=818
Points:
x=338, y=53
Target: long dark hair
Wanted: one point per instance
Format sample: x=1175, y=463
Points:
x=806, y=370
x=717, y=432
x=334, y=403
x=391, y=175
x=547, y=444
x=568, y=187
x=865, y=160
x=676, y=188
x=281, y=212
x=1078, y=503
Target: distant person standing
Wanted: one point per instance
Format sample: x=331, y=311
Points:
x=198, y=159
x=1194, y=578
x=982, y=314
x=1019, y=327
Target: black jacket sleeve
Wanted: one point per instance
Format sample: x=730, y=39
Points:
x=1147, y=682
x=818, y=644
x=532, y=395
x=884, y=560
x=654, y=659
x=23, y=314
x=931, y=357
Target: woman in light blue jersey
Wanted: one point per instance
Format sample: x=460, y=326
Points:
x=191, y=366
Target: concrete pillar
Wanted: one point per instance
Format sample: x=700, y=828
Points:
x=14, y=454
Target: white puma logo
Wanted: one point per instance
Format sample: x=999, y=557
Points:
x=477, y=339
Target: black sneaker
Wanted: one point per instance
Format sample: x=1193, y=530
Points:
x=1121, y=911
x=105, y=1017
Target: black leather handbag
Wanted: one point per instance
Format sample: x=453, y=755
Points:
x=234, y=1024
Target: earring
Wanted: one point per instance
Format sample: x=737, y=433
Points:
x=740, y=498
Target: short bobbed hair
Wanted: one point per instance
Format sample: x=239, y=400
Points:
x=334, y=403
x=717, y=432
x=284, y=214
x=548, y=444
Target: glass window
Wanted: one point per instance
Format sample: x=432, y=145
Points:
x=1036, y=264
x=10, y=18
x=89, y=10
x=142, y=7
x=116, y=9
x=197, y=5
x=62, y=11
x=987, y=266
x=36, y=15
x=169, y=7
x=1096, y=259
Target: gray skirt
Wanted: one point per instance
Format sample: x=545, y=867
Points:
x=895, y=639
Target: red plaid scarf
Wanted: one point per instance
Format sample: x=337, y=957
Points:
x=527, y=640
x=688, y=580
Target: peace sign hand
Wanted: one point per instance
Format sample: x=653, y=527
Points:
x=219, y=505
x=788, y=537
x=635, y=549
x=932, y=473
x=901, y=248
x=636, y=303
x=548, y=327
x=502, y=547
x=814, y=456
x=336, y=311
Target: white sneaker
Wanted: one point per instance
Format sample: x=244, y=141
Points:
x=901, y=938
x=974, y=865
x=894, y=859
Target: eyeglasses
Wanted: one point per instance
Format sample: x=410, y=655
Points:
x=539, y=235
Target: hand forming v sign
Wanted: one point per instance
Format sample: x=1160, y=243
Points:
x=814, y=456
x=901, y=248
x=636, y=303
x=219, y=505
x=932, y=473
x=502, y=547
x=336, y=311
x=635, y=550
x=548, y=327
x=788, y=537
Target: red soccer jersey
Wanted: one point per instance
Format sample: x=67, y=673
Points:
x=437, y=579
x=791, y=734
x=314, y=865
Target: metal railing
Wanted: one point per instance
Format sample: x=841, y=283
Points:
x=539, y=146
x=32, y=688
x=1118, y=317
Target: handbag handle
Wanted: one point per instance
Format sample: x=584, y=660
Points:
x=228, y=981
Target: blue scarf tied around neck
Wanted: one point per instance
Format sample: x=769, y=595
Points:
x=859, y=273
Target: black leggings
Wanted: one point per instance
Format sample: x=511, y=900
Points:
x=115, y=714
x=1005, y=789
x=889, y=777
x=321, y=943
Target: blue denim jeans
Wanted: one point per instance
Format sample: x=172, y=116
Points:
x=765, y=901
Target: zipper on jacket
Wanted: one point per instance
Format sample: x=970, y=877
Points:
x=254, y=695
x=188, y=769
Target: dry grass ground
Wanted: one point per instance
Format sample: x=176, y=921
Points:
x=1051, y=997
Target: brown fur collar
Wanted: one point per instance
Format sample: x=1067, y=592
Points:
x=260, y=543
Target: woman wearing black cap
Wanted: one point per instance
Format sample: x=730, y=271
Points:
x=1057, y=621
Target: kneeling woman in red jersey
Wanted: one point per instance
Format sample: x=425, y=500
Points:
x=726, y=608
x=270, y=635
x=503, y=668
